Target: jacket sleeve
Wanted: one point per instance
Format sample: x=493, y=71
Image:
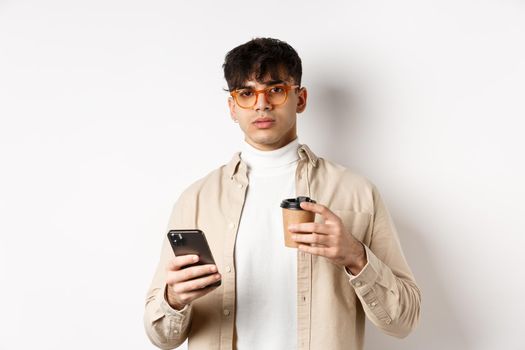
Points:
x=166, y=327
x=386, y=287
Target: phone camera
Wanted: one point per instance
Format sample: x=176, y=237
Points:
x=176, y=238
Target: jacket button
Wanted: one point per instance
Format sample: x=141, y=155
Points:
x=226, y=312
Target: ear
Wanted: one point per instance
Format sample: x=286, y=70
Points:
x=302, y=96
x=231, y=105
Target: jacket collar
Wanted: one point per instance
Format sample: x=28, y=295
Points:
x=304, y=152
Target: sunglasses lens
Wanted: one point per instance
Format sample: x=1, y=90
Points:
x=245, y=98
x=276, y=95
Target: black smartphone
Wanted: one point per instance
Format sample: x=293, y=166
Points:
x=185, y=242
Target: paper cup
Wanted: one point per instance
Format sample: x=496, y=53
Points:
x=294, y=214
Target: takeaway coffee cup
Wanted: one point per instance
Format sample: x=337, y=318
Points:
x=294, y=214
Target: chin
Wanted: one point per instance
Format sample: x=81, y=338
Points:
x=265, y=140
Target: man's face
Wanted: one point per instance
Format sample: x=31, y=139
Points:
x=267, y=126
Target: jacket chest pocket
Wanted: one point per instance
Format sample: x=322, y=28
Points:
x=356, y=223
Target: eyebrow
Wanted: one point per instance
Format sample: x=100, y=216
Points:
x=268, y=83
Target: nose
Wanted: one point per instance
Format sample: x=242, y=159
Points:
x=262, y=103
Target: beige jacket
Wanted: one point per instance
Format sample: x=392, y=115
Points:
x=331, y=305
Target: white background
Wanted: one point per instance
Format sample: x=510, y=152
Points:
x=109, y=109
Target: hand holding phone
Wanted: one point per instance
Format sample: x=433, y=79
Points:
x=192, y=273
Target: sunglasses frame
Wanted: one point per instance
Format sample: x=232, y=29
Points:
x=285, y=87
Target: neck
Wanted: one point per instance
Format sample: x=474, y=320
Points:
x=256, y=158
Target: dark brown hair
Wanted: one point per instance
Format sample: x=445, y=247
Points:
x=261, y=57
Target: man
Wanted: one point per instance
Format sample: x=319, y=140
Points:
x=349, y=262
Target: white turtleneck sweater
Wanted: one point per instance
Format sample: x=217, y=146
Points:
x=266, y=270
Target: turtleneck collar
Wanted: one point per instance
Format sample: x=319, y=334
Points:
x=257, y=159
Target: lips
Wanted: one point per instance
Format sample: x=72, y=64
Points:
x=264, y=123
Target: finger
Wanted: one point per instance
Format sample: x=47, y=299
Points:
x=196, y=284
x=179, y=262
x=187, y=298
x=320, y=251
x=190, y=273
x=312, y=238
x=320, y=209
x=311, y=227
